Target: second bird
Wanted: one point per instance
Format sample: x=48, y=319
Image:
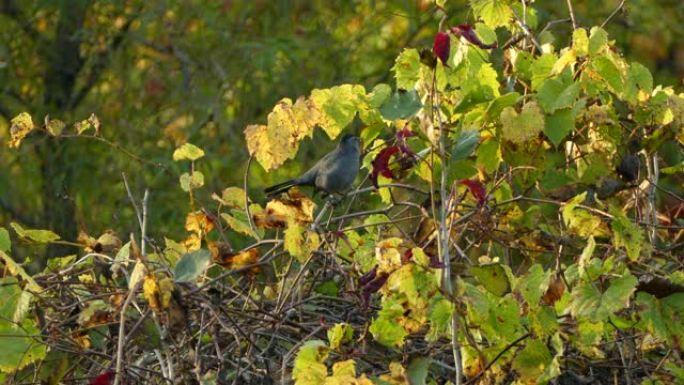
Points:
x=334, y=173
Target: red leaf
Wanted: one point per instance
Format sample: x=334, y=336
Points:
x=369, y=276
x=477, y=189
x=381, y=164
x=469, y=34
x=373, y=286
x=407, y=257
x=435, y=263
x=441, y=47
x=401, y=140
x=105, y=378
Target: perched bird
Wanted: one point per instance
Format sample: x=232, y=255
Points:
x=334, y=173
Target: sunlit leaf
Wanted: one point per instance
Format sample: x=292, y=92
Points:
x=339, y=334
x=5, y=242
x=21, y=126
x=192, y=181
x=338, y=106
x=407, y=69
x=188, y=151
x=580, y=42
x=309, y=367
x=494, y=13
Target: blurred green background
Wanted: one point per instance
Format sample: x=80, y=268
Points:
x=160, y=73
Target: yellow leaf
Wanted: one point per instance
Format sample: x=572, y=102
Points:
x=199, y=223
x=22, y=125
x=344, y=373
x=151, y=292
x=137, y=274
x=233, y=197
x=54, y=126
x=278, y=141
x=84, y=125
x=387, y=255
x=397, y=375
x=299, y=242
x=279, y=212
x=338, y=106
x=192, y=243
x=188, y=151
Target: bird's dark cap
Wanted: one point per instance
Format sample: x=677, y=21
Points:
x=346, y=137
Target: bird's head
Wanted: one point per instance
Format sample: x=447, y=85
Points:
x=350, y=142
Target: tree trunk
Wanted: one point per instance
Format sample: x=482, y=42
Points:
x=64, y=64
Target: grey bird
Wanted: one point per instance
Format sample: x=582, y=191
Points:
x=334, y=173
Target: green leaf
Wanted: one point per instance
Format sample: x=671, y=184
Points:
x=554, y=94
x=580, y=221
x=418, y=370
x=233, y=197
x=191, y=265
x=5, y=242
x=598, y=40
x=589, y=303
x=21, y=345
x=497, y=105
x=519, y=128
x=439, y=316
x=328, y=287
x=489, y=155
x=494, y=13
x=533, y=285
x=588, y=337
x=401, y=105
x=15, y=269
x=338, y=106
x=188, y=151
x=580, y=42
x=14, y=302
x=407, y=69
x=38, y=236
x=339, y=334
x=237, y=220
x=532, y=360
x=638, y=78
x=466, y=143
x=662, y=317
x=381, y=92
x=558, y=125
x=384, y=328
x=627, y=234
x=309, y=368
x=54, y=126
x=605, y=67
x=673, y=169
x=541, y=68
x=191, y=181
x=493, y=277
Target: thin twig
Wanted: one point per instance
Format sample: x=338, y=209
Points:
x=572, y=15
x=245, y=187
x=615, y=12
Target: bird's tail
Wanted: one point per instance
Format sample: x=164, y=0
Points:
x=280, y=187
